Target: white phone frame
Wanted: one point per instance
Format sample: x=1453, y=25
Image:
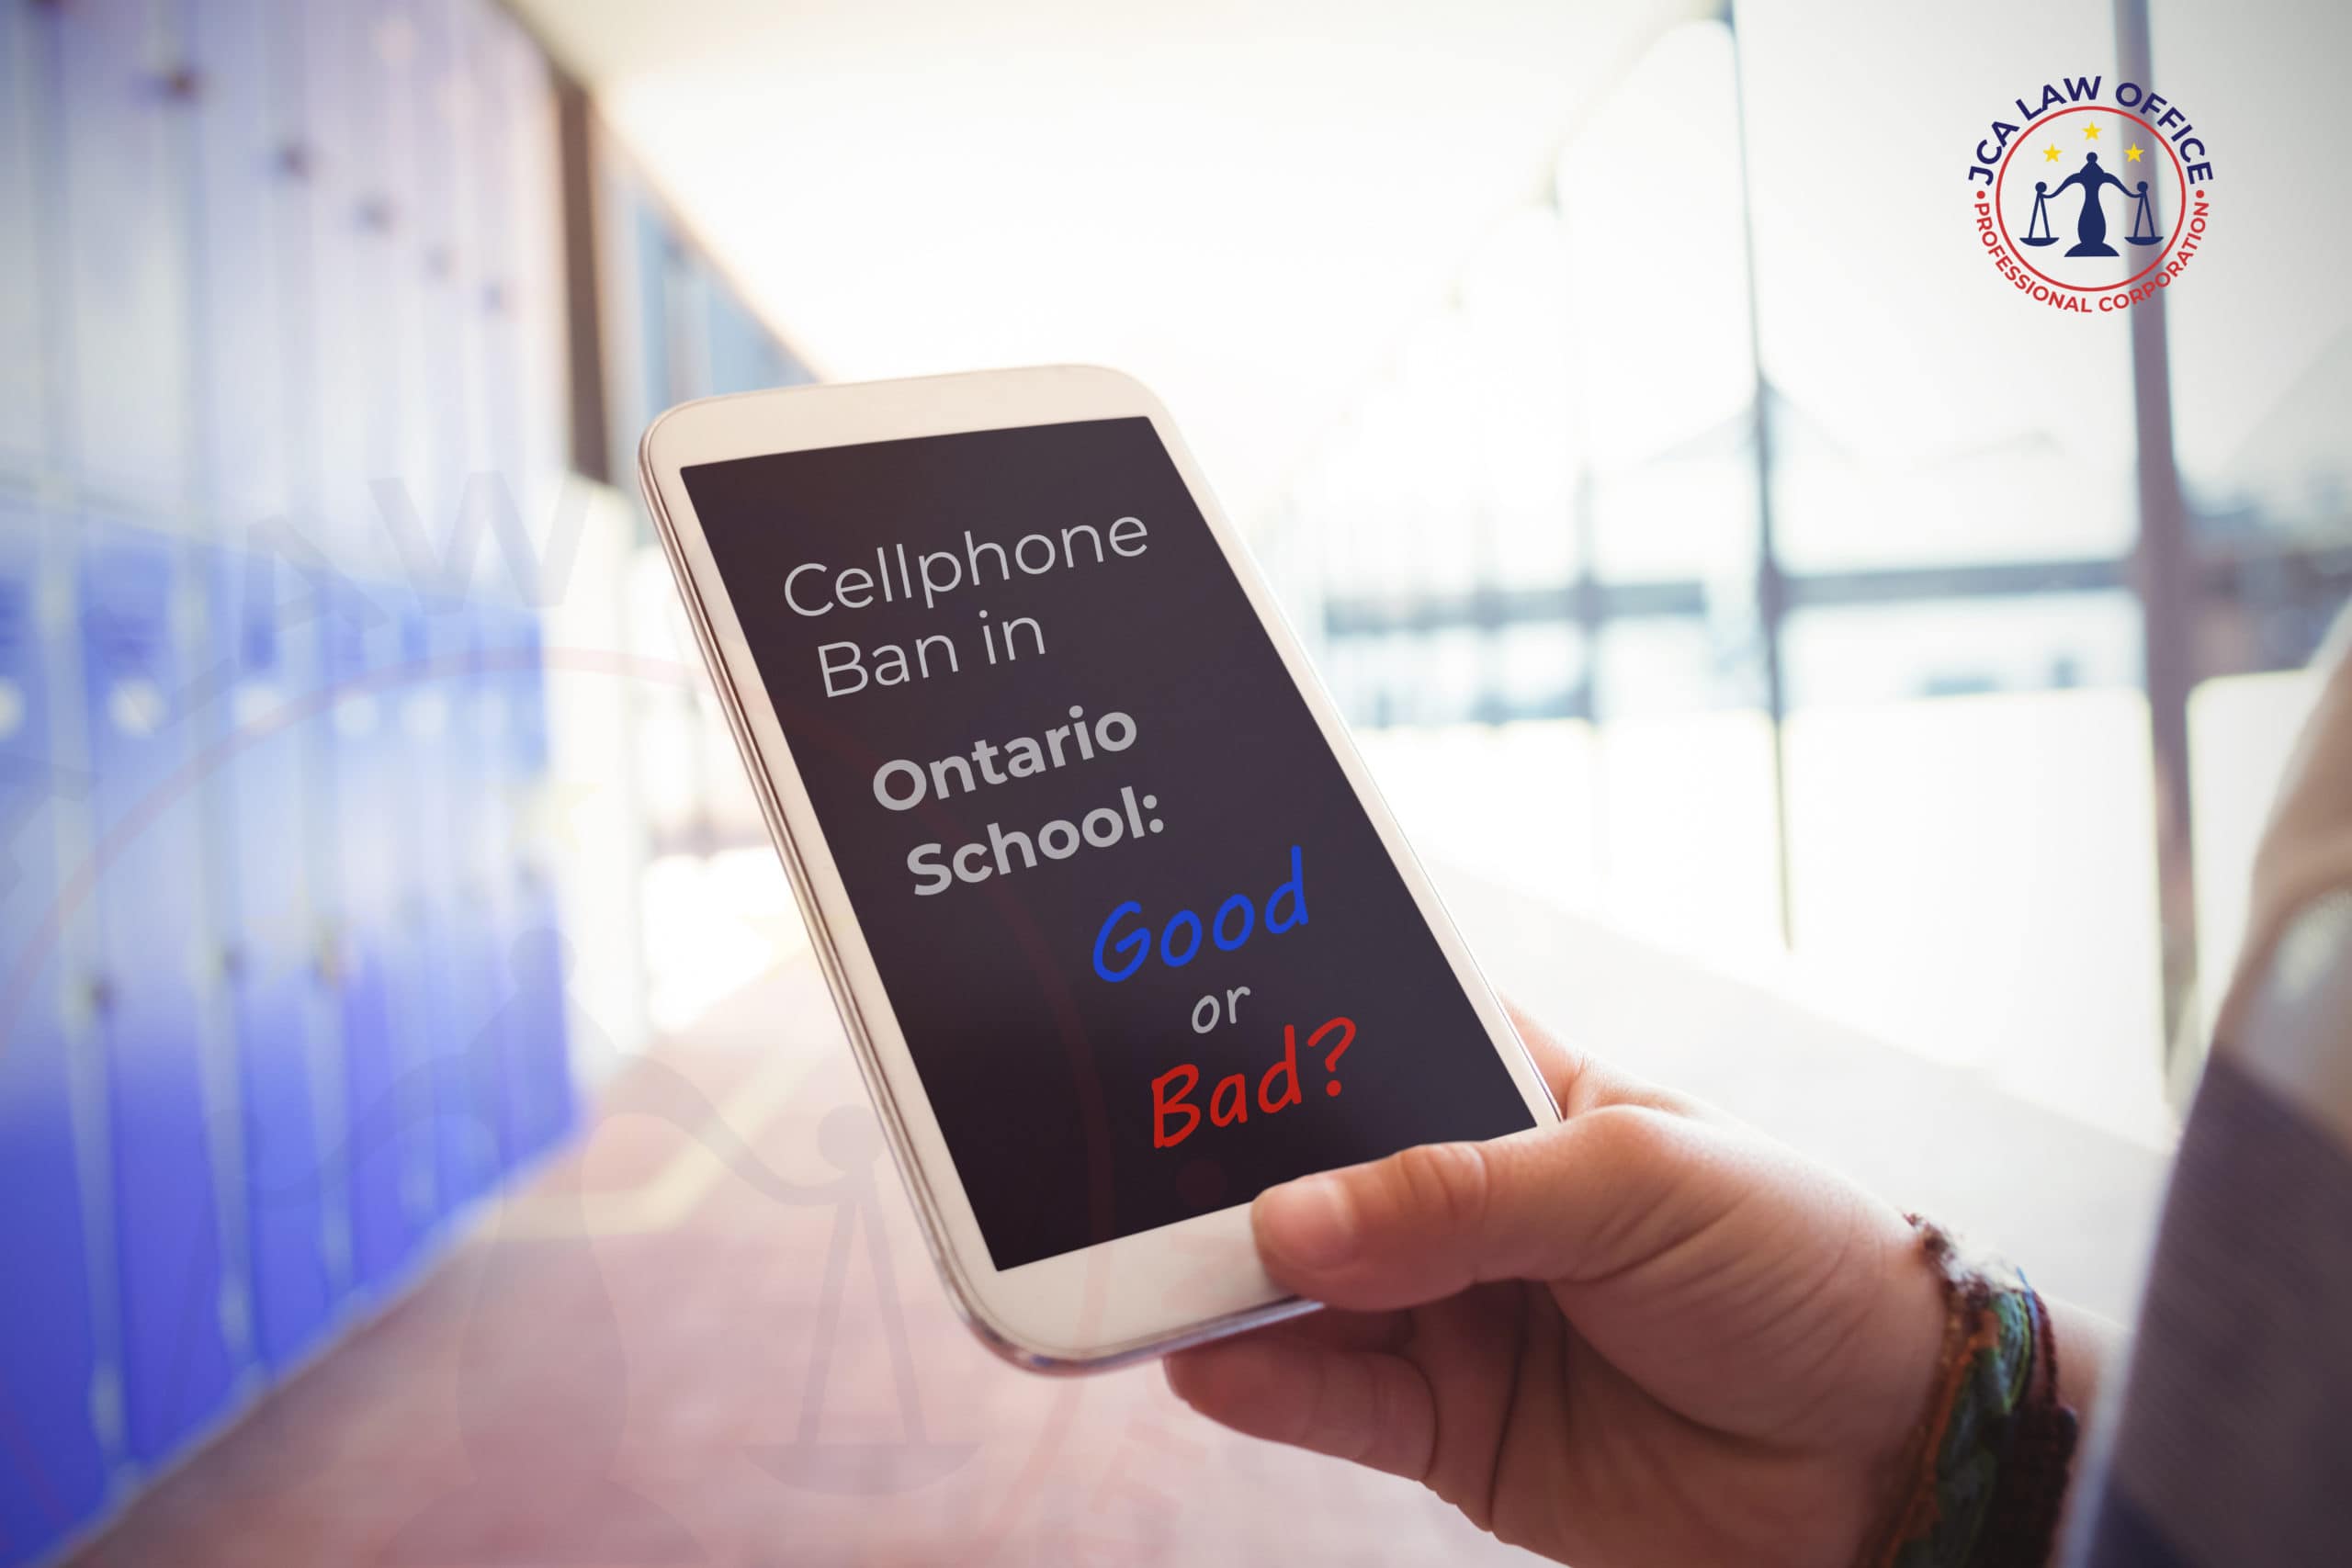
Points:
x=1119, y=1301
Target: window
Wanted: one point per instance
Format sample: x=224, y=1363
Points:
x=1902, y=739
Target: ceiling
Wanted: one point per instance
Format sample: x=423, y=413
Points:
x=1247, y=205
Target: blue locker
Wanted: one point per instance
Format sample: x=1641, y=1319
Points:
x=439, y=175
x=261, y=903
x=387, y=1166
x=178, y=1359
x=656, y=253
x=123, y=262
x=499, y=285
x=54, y=1476
x=249, y=206
x=474, y=828
x=359, y=287
x=533, y=945
x=535, y=184
x=424, y=958
x=26, y=38
x=690, y=290
x=742, y=360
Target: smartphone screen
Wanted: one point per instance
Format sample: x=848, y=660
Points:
x=1146, y=948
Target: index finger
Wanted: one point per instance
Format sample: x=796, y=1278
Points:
x=1581, y=1081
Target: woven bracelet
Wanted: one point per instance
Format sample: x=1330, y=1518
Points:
x=1987, y=1465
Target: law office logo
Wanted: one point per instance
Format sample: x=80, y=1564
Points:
x=2091, y=200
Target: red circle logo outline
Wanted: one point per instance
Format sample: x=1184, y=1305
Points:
x=2180, y=215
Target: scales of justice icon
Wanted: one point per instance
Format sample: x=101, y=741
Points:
x=2090, y=226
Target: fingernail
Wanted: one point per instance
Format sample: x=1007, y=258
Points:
x=1310, y=1223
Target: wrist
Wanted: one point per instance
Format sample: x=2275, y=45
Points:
x=1988, y=1462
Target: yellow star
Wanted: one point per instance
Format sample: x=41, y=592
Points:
x=2090, y=129
x=2050, y=155
x=2132, y=154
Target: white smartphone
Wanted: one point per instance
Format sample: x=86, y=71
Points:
x=1118, y=926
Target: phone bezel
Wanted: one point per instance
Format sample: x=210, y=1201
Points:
x=1118, y=1300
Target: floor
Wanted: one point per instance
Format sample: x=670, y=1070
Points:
x=709, y=1333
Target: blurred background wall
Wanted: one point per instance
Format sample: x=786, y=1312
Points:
x=1697, y=532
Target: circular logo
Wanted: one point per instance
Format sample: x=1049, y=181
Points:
x=2091, y=202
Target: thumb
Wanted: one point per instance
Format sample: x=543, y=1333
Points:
x=1573, y=1202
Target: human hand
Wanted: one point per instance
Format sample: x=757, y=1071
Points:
x=1644, y=1336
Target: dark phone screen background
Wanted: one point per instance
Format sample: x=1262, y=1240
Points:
x=1039, y=1070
